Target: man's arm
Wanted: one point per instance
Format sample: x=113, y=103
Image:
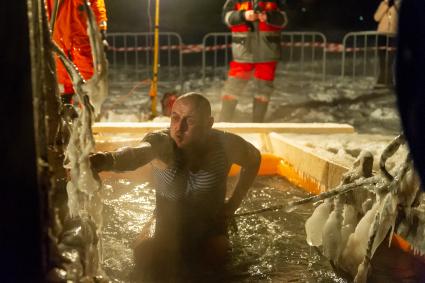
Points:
x=99, y=11
x=248, y=157
x=230, y=16
x=153, y=146
x=380, y=12
x=124, y=159
x=277, y=17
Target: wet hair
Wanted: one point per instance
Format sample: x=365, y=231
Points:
x=201, y=103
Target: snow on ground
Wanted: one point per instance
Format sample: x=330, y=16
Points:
x=296, y=99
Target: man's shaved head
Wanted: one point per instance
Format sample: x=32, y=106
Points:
x=191, y=120
x=201, y=103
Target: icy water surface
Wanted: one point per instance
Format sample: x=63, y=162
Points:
x=267, y=247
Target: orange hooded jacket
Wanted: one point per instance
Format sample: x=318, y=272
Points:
x=70, y=33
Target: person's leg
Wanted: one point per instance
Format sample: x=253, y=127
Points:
x=68, y=111
x=67, y=91
x=216, y=251
x=264, y=75
x=82, y=58
x=143, y=254
x=391, y=61
x=238, y=77
x=154, y=262
x=385, y=60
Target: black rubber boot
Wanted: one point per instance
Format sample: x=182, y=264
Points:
x=228, y=107
x=68, y=110
x=259, y=109
x=67, y=98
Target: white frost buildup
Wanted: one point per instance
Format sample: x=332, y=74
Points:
x=355, y=249
x=348, y=225
x=314, y=225
x=331, y=235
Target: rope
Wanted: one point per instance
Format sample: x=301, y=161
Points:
x=258, y=211
x=198, y=48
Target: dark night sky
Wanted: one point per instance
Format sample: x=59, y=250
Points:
x=194, y=18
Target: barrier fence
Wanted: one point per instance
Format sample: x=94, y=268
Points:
x=132, y=54
x=364, y=54
x=368, y=54
x=304, y=52
x=214, y=60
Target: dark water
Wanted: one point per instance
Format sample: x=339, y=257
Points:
x=267, y=247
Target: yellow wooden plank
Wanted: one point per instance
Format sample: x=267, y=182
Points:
x=308, y=164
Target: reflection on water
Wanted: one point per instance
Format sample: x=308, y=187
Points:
x=267, y=247
x=127, y=207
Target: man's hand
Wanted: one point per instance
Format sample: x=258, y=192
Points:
x=229, y=209
x=225, y=216
x=101, y=161
x=251, y=16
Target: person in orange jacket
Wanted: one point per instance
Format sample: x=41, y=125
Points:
x=70, y=33
x=256, y=26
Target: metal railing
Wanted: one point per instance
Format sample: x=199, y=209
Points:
x=304, y=52
x=131, y=54
x=301, y=52
x=368, y=54
x=216, y=53
x=364, y=54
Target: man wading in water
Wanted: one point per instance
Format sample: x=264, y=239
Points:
x=190, y=163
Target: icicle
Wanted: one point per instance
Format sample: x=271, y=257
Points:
x=314, y=225
x=331, y=234
x=362, y=270
x=348, y=225
x=355, y=249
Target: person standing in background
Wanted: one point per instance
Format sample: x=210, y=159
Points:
x=256, y=27
x=70, y=34
x=387, y=17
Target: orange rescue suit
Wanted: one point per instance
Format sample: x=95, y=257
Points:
x=70, y=33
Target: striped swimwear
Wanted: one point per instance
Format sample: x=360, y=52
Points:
x=188, y=202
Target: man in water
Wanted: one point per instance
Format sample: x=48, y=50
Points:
x=190, y=163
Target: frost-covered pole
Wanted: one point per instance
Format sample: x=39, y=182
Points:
x=50, y=171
